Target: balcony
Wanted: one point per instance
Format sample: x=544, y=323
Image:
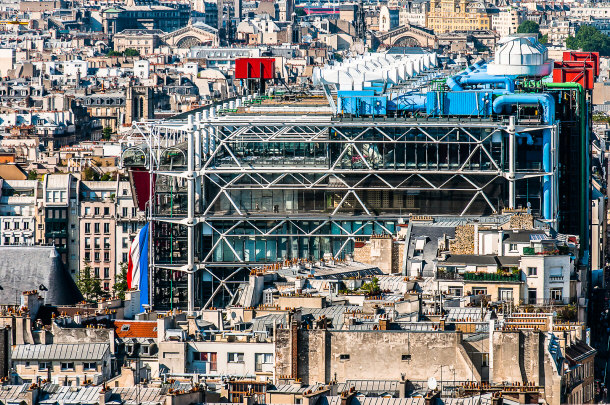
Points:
x=560, y=250
x=468, y=276
x=510, y=277
x=556, y=279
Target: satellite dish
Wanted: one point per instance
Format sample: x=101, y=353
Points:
x=432, y=383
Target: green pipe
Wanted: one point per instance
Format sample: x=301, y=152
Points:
x=584, y=156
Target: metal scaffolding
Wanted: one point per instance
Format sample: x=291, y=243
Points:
x=232, y=192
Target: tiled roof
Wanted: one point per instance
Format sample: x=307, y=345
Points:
x=135, y=329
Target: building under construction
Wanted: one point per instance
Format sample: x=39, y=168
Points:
x=268, y=179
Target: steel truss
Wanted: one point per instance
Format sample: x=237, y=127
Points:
x=216, y=159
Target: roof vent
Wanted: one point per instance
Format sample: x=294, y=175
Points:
x=520, y=56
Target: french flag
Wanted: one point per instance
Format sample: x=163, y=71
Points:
x=137, y=268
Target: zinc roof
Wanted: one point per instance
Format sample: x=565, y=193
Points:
x=76, y=351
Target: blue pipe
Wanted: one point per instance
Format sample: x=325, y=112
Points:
x=484, y=78
x=548, y=107
x=528, y=138
x=408, y=102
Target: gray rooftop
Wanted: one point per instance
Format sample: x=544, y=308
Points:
x=25, y=268
x=68, y=351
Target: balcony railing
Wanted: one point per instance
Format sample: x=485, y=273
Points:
x=469, y=276
x=512, y=277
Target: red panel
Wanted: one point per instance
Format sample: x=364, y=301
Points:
x=140, y=180
x=255, y=68
x=574, y=56
x=582, y=72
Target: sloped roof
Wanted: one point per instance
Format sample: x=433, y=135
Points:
x=68, y=351
x=25, y=268
x=11, y=171
x=135, y=329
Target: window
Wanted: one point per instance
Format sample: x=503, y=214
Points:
x=208, y=357
x=106, y=228
x=90, y=366
x=106, y=243
x=479, y=291
x=235, y=357
x=87, y=243
x=125, y=227
x=455, y=291
x=43, y=365
x=106, y=272
x=262, y=358
x=26, y=225
x=96, y=272
x=406, y=357
x=96, y=227
x=7, y=240
x=7, y=225
x=557, y=294
x=87, y=210
x=67, y=365
x=106, y=256
x=96, y=256
x=485, y=359
x=96, y=210
x=125, y=258
x=27, y=364
x=125, y=211
x=106, y=210
x=106, y=286
x=96, y=243
x=87, y=227
x=532, y=295
x=532, y=271
x=87, y=256
x=16, y=240
x=125, y=243
x=505, y=294
x=344, y=357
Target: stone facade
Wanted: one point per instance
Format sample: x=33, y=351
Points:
x=463, y=244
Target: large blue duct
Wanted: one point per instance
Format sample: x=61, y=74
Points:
x=484, y=78
x=548, y=106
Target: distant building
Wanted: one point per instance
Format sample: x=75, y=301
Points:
x=455, y=15
x=135, y=16
x=388, y=19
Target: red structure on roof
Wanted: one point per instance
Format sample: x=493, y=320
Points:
x=254, y=68
x=577, y=67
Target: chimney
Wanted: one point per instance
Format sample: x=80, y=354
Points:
x=294, y=329
x=105, y=394
x=496, y=399
x=346, y=396
x=441, y=325
x=383, y=324
x=249, y=399
x=431, y=398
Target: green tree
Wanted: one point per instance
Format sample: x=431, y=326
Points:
x=131, y=52
x=89, y=284
x=114, y=53
x=106, y=133
x=90, y=175
x=300, y=12
x=544, y=39
x=371, y=288
x=32, y=175
x=528, y=27
x=120, y=283
x=590, y=39
x=106, y=177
